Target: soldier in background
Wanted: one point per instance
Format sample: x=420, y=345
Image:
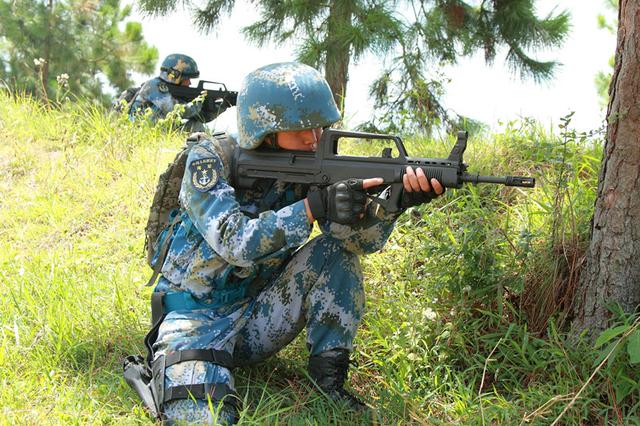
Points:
x=176, y=69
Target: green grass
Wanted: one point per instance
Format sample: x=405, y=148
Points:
x=462, y=314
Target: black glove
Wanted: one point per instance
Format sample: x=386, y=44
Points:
x=343, y=202
x=415, y=198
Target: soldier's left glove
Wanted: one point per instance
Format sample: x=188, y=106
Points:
x=415, y=198
x=343, y=202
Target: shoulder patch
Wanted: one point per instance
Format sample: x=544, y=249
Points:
x=203, y=174
x=162, y=87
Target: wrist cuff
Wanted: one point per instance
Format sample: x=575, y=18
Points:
x=316, y=205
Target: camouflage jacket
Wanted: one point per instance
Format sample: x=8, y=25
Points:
x=229, y=236
x=154, y=94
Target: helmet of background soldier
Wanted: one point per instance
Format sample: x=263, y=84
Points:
x=177, y=67
x=286, y=96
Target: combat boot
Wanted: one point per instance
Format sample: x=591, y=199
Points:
x=329, y=370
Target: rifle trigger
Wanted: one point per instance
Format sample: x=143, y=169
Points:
x=387, y=199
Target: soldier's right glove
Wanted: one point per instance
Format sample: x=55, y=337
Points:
x=343, y=202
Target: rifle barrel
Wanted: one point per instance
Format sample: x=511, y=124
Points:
x=526, y=182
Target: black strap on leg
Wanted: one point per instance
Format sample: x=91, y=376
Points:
x=215, y=391
x=221, y=358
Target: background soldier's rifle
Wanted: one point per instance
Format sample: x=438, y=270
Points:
x=216, y=101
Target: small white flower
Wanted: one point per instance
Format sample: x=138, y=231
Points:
x=63, y=80
x=466, y=288
x=429, y=314
x=39, y=62
x=21, y=272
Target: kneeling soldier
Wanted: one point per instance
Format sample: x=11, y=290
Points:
x=240, y=281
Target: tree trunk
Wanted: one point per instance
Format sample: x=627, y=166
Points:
x=336, y=68
x=612, y=269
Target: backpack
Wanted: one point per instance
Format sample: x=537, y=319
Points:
x=127, y=96
x=165, y=207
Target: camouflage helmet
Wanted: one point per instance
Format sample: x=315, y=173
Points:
x=177, y=67
x=286, y=96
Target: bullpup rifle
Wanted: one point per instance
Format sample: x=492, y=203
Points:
x=216, y=101
x=327, y=166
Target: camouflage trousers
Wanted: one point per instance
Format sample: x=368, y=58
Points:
x=320, y=289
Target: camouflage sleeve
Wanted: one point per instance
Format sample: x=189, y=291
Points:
x=142, y=101
x=366, y=236
x=191, y=109
x=211, y=204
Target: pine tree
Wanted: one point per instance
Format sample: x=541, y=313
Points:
x=611, y=272
x=59, y=47
x=440, y=32
x=416, y=37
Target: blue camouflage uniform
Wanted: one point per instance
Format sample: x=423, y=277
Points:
x=229, y=240
x=154, y=94
x=240, y=278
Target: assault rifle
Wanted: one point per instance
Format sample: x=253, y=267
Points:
x=216, y=101
x=327, y=165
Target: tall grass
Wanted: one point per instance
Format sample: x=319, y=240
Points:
x=464, y=302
